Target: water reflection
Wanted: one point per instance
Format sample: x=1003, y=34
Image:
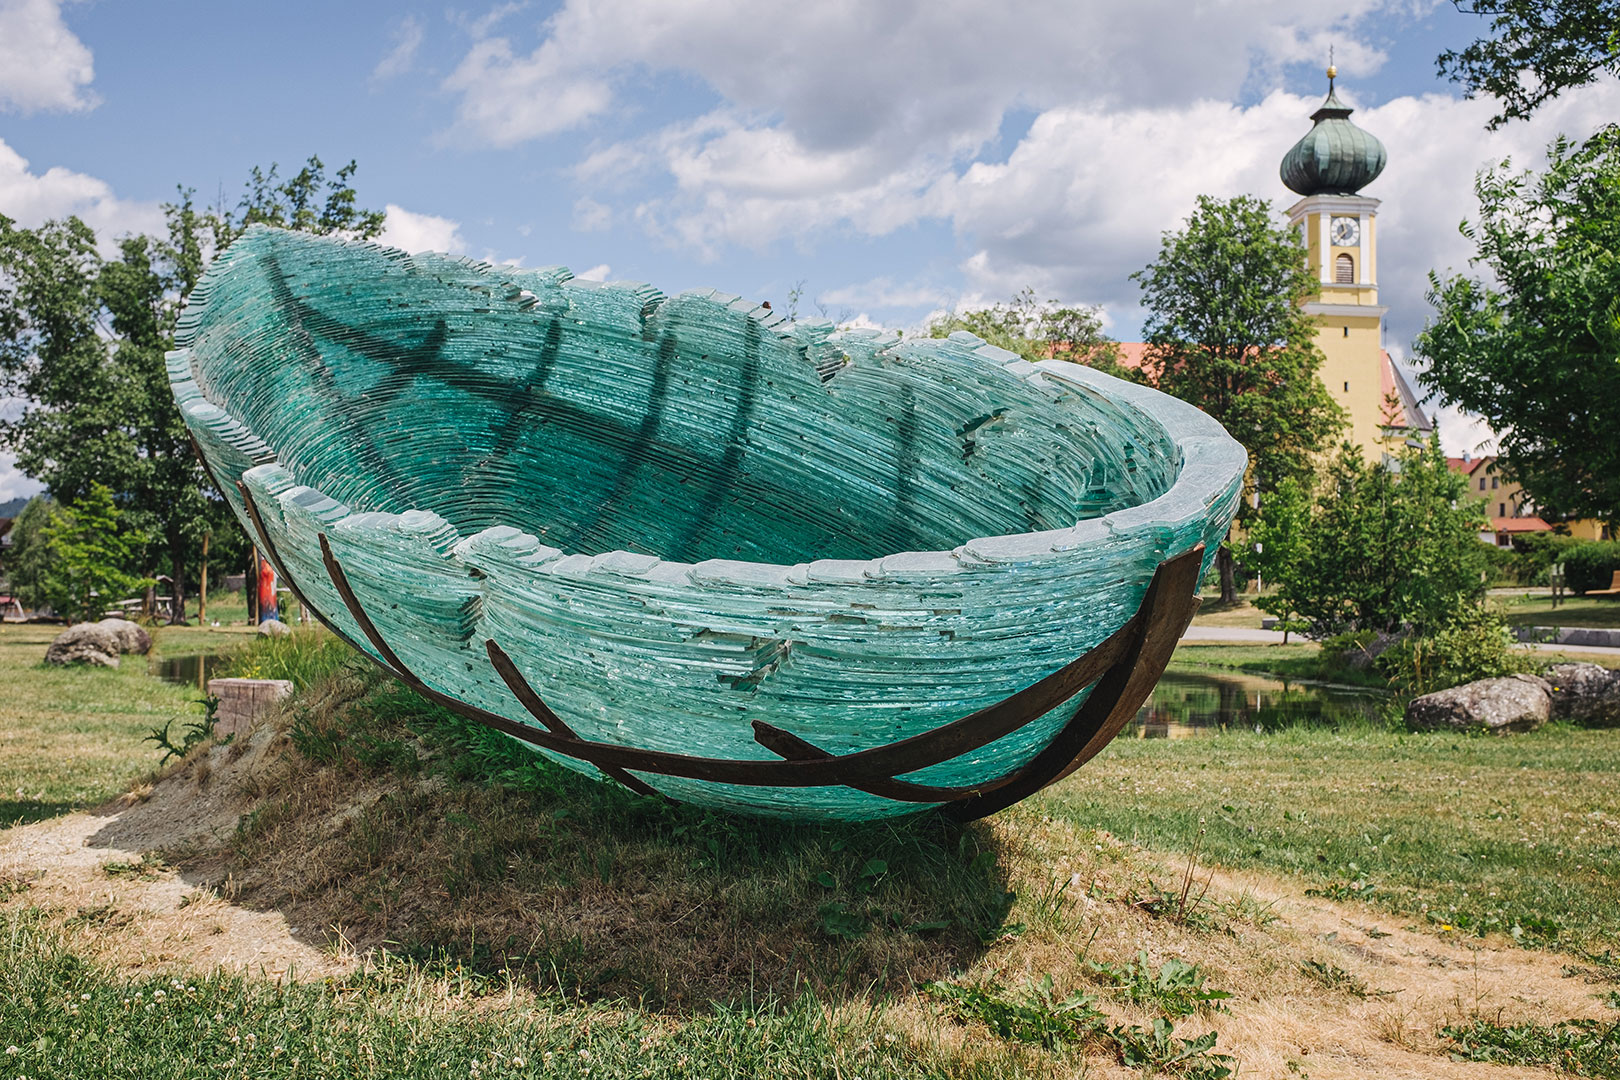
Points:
x=1191, y=701
x=189, y=670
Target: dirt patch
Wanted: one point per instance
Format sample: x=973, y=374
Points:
x=102, y=873
x=247, y=856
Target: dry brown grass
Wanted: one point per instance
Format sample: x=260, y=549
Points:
x=281, y=865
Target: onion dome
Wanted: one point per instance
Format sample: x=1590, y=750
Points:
x=1335, y=157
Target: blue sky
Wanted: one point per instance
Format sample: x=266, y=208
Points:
x=899, y=158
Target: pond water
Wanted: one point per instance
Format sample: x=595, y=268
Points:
x=1187, y=701
x=1194, y=701
x=189, y=670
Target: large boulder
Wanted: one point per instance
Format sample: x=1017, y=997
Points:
x=274, y=628
x=131, y=638
x=1585, y=694
x=86, y=643
x=1497, y=706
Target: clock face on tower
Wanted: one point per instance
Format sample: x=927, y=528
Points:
x=1345, y=231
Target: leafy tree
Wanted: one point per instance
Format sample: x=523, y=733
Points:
x=29, y=558
x=1040, y=331
x=1539, y=49
x=1385, y=546
x=1535, y=348
x=87, y=553
x=308, y=202
x=82, y=341
x=1226, y=331
x=1279, y=534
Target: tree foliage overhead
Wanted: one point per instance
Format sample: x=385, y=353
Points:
x=1538, y=49
x=1039, y=331
x=82, y=340
x=1536, y=351
x=1226, y=331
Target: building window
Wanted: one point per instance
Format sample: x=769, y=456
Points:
x=1501, y=510
x=1347, y=331
x=1347, y=387
x=1493, y=483
x=1344, y=272
x=1482, y=483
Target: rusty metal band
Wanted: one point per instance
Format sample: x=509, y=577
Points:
x=1167, y=608
x=274, y=556
x=554, y=725
x=809, y=766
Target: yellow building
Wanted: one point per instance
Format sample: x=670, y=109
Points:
x=1339, y=227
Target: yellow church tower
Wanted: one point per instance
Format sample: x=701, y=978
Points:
x=1339, y=227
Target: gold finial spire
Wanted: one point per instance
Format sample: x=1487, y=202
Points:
x=1332, y=72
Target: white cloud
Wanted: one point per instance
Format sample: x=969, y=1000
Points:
x=43, y=66
x=899, y=75
x=406, y=41
x=591, y=216
x=595, y=273
x=421, y=232
x=507, y=99
x=13, y=483
x=32, y=199
x=884, y=292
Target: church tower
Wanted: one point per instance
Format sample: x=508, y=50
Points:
x=1339, y=226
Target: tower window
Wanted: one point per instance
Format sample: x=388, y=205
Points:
x=1347, y=387
x=1344, y=271
x=1347, y=331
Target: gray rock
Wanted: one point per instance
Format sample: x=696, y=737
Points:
x=1497, y=706
x=86, y=643
x=1362, y=657
x=1585, y=694
x=274, y=628
x=131, y=638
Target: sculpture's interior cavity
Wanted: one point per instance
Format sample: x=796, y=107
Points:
x=677, y=540
x=607, y=417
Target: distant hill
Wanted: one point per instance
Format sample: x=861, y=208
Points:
x=14, y=507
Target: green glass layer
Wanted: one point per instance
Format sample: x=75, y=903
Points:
x=681, y=514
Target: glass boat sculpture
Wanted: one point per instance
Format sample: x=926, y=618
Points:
x=679, y=542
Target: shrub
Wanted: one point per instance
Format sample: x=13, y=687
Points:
x=1474, y=644
x=1591, y=565
x=1377, y=546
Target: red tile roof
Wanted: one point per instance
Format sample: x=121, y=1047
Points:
x=1519, y=525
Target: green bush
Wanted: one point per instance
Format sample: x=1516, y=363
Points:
x=1474, y=644
x=1591, y=565
x=1538, y=552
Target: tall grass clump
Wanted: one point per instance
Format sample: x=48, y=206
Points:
x=305, y=656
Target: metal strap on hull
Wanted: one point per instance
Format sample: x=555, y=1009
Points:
x=1124, y=668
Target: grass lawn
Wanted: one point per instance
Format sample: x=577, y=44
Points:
x=1479, y=833
x=542, y=924
x=1241, y=614
x=1524, y=609
x=72, y=737
x=1530, y=610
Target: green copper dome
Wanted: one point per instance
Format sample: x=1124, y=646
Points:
x=1335, y=157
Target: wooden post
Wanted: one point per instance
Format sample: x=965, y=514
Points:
x=202, y=587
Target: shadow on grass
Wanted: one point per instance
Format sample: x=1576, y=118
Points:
x=27, y=811
x=379, y=820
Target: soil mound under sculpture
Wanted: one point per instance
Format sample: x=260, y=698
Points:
x=755, y=565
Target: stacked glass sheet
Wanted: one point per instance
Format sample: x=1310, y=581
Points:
x=679, y=514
